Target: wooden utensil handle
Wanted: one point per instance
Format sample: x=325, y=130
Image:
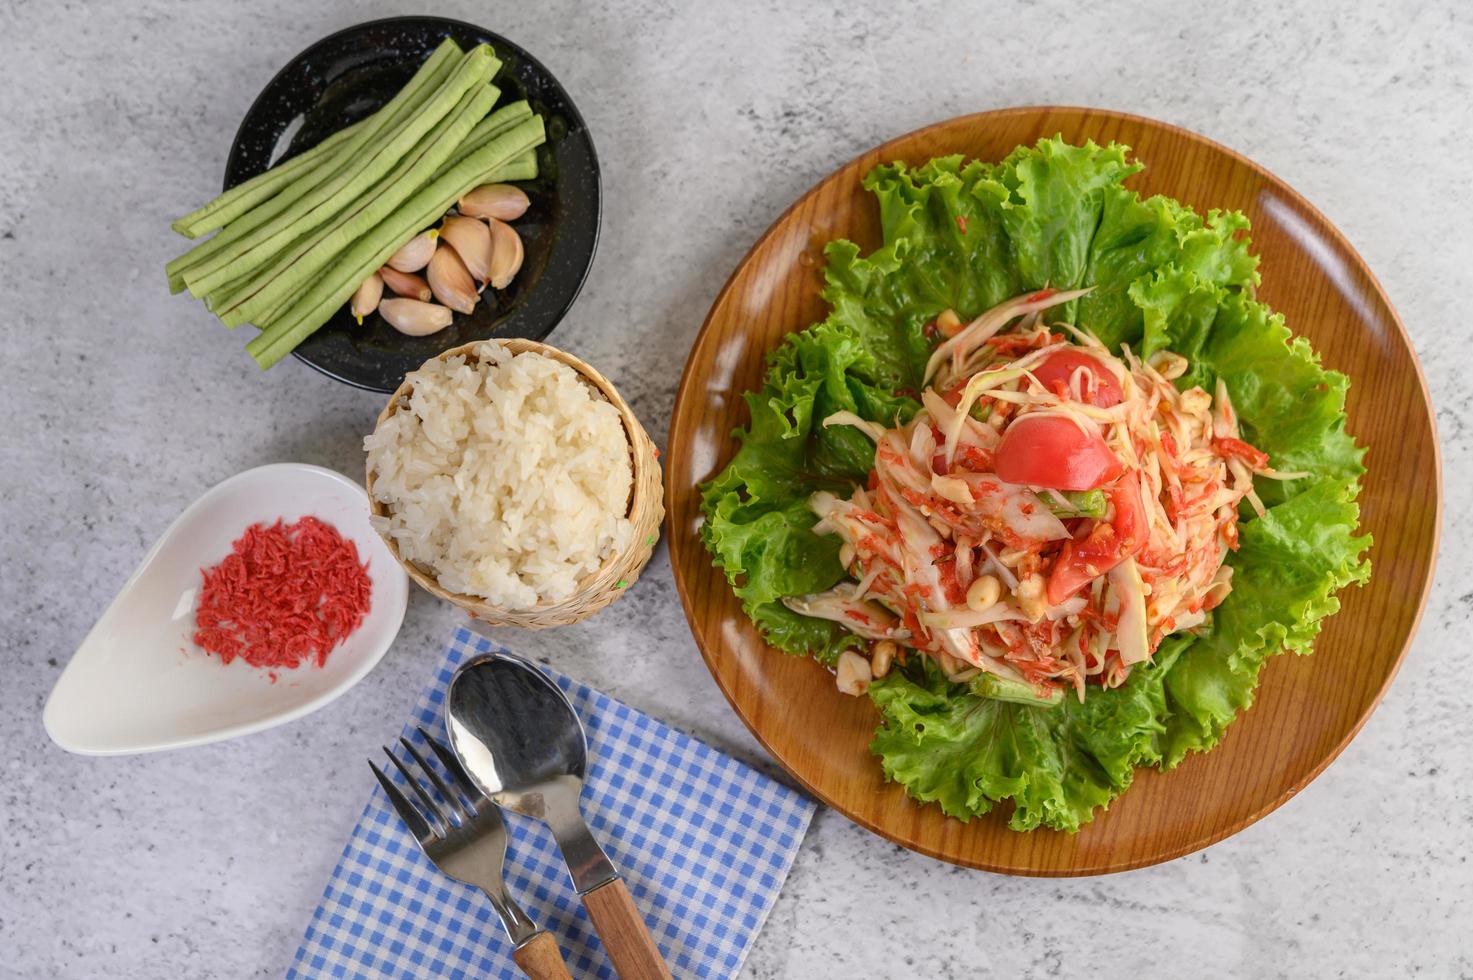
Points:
x=540, y=958
x=624, y=933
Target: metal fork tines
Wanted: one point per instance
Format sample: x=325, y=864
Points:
x=457, y=827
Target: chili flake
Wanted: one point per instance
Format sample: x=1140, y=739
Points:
x=286, y=593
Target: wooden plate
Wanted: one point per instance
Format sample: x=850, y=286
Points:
x=1307, y=708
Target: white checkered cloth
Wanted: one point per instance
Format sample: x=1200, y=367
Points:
x=703, y=841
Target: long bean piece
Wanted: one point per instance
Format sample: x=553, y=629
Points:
x=349, y=154
x=262, y=244
x=259, y=298
x=489, y=128
x=521, y=167
x=227, y=301
x=334, y=287
x=430, y=77
x=363, y=211
x=426, y=80
x=247, y=194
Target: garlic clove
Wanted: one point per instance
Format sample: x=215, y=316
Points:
x=410, y=316
x=501, y=201
x=366, y=297
x=451, y=282
x=406, y=284
x=506, y=253
x=471, y=240
x=415, y=253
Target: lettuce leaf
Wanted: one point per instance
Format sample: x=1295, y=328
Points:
x=967, y=235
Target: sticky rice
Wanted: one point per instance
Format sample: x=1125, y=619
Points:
x=505, y=476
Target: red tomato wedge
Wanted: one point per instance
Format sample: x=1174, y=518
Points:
x=1090, y=554
x=1130, y=514
x=1056, y=370
x=1053, y=452
x=1100, y=547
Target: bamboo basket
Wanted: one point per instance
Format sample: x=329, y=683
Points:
x=621, y=570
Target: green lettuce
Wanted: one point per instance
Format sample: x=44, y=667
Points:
x=968, y=235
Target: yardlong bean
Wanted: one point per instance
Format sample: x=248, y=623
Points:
x=332, y=289
x=317, y=249
x=425, y=82
x=263, y=243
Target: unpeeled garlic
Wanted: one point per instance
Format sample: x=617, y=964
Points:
x=506, y=253
x=471, y=240
x=366, y=297
x=451, y=282
x=501, y=201
x=410, y=316
x=406, y=284
x=415, y=253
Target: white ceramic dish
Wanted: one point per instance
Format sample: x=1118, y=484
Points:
x=139, y=684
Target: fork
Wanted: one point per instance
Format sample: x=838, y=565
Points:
x=466, y=839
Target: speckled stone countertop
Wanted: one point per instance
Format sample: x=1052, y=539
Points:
x=709, y=120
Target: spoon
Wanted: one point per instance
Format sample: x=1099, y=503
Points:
x=520, y=740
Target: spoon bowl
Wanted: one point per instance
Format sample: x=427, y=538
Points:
x=521, y=741
x=514, y=729
x=139, y=684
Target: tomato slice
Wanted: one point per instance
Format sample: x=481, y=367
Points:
x=1056, y=370
x=1099, y=547
x=1053, y=452
x=1130, y=514
x=1085, y=557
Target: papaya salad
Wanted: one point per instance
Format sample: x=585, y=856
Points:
x=1050, y=514
x=1048, y=485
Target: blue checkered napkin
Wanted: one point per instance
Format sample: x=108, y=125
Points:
x=703, y=841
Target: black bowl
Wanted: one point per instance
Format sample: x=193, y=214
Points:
x=343, y=78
